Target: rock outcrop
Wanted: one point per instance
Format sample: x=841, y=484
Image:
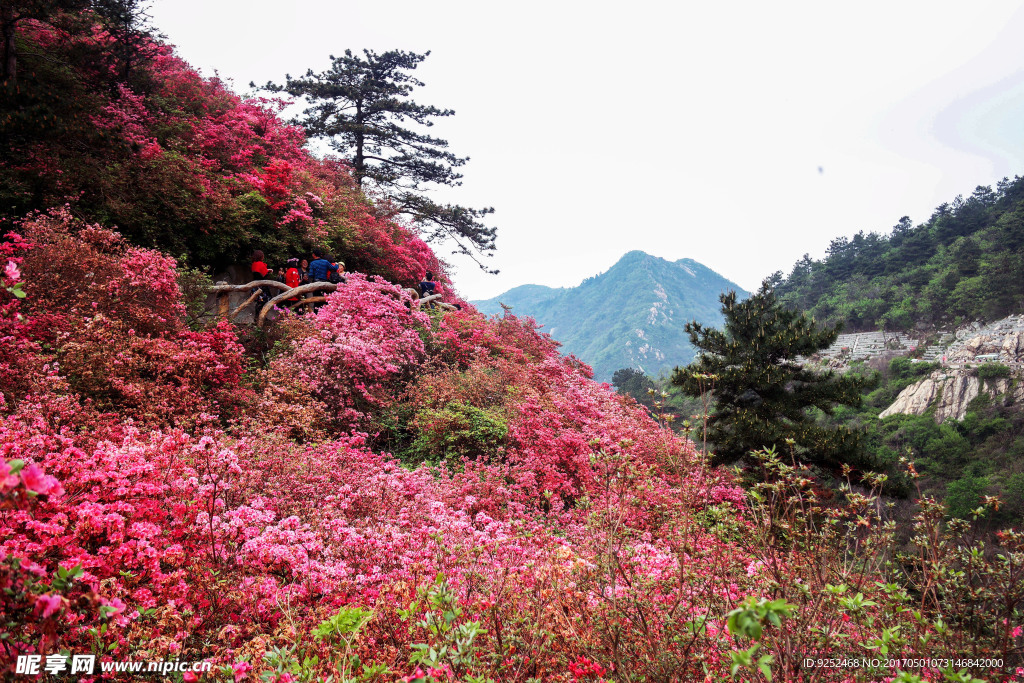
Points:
x=952, y=388
x=1009, y=347
x=915, y=399
x=951, y=392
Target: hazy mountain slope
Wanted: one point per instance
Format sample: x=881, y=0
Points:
x=630, y=316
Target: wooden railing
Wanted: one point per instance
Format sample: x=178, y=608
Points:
x=222, y=290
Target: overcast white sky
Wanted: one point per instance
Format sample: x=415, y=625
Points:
x=685, y=129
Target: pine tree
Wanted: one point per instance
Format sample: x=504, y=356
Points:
x=361, y=105
x=132, y=37
x=761, y=393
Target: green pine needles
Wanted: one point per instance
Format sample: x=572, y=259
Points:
x=762, y=395
x=363, y=107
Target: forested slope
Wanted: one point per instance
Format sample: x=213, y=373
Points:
x=964, y=263
x=130, y=135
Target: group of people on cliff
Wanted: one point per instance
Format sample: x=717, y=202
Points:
x=298, y=272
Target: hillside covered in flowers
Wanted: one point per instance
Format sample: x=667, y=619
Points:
x=380, y=492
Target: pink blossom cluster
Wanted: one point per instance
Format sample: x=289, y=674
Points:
x=138, y=461
x=366, y=343
x=216, y=531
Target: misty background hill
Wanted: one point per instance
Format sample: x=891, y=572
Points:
x=629, y=316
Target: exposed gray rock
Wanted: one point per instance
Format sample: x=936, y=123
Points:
x=951, y=393
x=952, y=388
x=1013, y=345
x=915, y=399
x=955, y=395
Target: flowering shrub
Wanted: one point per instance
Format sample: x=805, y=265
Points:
x=287, y=405
x=113, y=318
x=367, y=342
x=158, y=380
x=29, y=599
x=76, y=271
x=585, y=543
x=20, y=367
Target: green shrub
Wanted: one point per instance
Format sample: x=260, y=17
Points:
x=195, y=288
x=1013, y=496
x=904, y=368
x=963, y=496
x=978, y=426
x=457, y=431
x=991, y=371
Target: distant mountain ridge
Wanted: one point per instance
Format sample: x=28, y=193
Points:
x=630, y=316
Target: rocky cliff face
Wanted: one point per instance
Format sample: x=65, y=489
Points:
x=951, y=392
x=952, y=388
x=1009, y=347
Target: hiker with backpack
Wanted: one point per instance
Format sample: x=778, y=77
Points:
x=428, y=286
x=321, y=270
x=338, y=276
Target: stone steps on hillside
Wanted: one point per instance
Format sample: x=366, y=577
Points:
x=863, y=346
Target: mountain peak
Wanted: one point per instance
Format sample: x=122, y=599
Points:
x=634, y=255
x=632, y=315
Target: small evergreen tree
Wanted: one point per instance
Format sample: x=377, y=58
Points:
x=633, y=382
x=361, y=105
x=761, y=393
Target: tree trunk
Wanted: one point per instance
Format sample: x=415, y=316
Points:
x=359, y=163
x=223, y=304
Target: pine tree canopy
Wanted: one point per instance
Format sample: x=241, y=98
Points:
x=761, y=393
x=362, y=107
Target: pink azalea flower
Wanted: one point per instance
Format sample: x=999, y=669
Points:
x=416, y=675
x=241, y=670
x=38, y=482
x=48, y=604
x=11, y=271
x=7, y=480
